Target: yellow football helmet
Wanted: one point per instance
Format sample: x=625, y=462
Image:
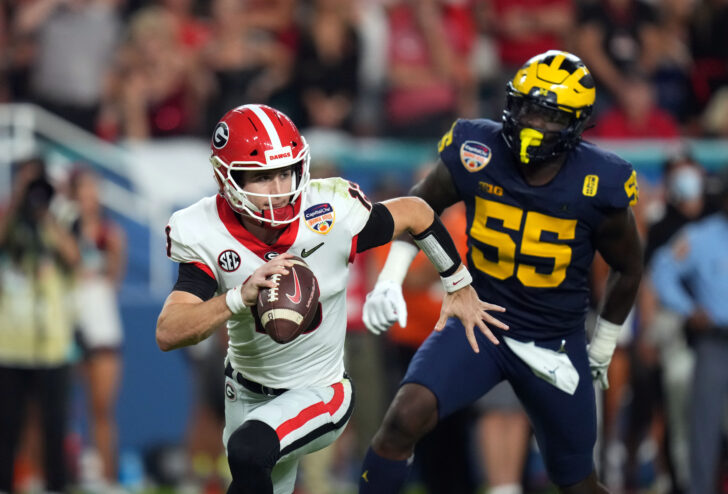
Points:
x=548, y=103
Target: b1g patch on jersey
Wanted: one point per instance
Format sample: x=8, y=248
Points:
x=228, y=260
x=591, y=184
x=320, y=218
x=475, y=155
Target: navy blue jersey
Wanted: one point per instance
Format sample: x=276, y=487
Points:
x=530, y=247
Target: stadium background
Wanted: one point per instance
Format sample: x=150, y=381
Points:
x=145, y=178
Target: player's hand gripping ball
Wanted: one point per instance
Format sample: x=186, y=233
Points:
x=288, y=309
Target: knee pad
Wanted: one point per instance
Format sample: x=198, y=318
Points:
x=253, y=446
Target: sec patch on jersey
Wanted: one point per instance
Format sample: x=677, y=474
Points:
x=287, y=310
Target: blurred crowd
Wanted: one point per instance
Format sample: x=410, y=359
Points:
x=137, y=69
x=62, y=260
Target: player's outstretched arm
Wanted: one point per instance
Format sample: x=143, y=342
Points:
x=415, y=216
x=618, y=241
x=186, y=319
x=385, y=304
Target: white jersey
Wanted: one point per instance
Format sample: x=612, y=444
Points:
x=209, y=234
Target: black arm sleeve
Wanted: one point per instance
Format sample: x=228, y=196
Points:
x=378, y=230
x=193, y=280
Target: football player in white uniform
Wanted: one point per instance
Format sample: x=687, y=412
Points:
x=286, y=400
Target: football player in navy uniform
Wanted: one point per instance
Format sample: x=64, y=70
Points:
x=539, y=203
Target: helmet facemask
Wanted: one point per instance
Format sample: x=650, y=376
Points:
x=230, y=178
x=548, y=104
x=559, y=130
x=258, y=138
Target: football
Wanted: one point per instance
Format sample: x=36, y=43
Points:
x=288, y=309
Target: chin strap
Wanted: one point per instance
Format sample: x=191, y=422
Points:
x=279, y=214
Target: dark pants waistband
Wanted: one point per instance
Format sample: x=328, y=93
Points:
x=252, y=385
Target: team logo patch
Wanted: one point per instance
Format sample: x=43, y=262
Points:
x=320, y=218
x=230, y=393
x=270, y=255
x=221, y=135
x=228, y=261
x=591, y=184
x=475, y=155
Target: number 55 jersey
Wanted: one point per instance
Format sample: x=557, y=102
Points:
x=530, y=248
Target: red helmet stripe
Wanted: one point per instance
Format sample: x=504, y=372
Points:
x=267, y=125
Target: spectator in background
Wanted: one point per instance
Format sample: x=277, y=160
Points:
x=36, y=322
x=690, y=277
x=192, y=31
x=372, y=28
x=672, y=79
x=278, y=18
x=524, y=28
x=616, y=38
x=326, y=65
x=430, y=80
x=75, y=42
x=102, y=246
x=205, y=452
x=247, y=62
x=158, y=88
x=663, y=352
x=709, y=51
x=683, y=180
x=715, y=117
x=635, y=115
x=5, y=61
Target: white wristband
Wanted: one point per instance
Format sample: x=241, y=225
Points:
x=234, y=300
x=401, y=255
x=457, y=280
x=604, y=341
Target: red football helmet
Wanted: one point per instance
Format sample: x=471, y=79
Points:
x=255, y=137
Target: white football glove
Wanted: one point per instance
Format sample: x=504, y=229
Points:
x=384, y=306
x=599, y=372
x=601, y=349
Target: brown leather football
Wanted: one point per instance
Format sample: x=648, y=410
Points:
x=288, y=310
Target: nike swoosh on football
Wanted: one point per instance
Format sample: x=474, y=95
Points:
x=306, y=253
x=296, y=297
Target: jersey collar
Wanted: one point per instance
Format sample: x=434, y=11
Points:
x=230, y=219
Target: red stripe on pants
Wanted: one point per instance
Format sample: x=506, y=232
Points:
x=313, y=411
